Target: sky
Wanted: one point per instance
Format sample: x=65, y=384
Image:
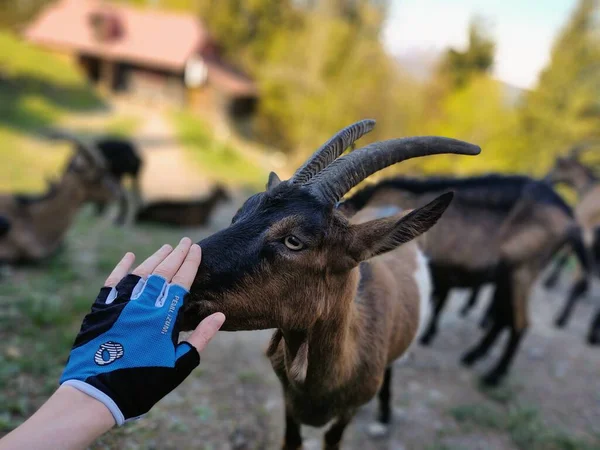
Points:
x=523, y=30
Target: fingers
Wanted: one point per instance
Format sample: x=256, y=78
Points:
x=187, y=272
x=120, y=270
x=206, y=330
x=152, y=262
x=170, y=265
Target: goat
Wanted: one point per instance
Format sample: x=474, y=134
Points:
x=499, y=229
x=571, y=171
x=342, y=306
x=122, y=159
x=183, y=213
x=36, y=225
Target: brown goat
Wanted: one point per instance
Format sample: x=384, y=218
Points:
x=183, y=213
x=37, y=225
x=344, y=308
x=571, y=171
x=499, y=229
x=121, y=159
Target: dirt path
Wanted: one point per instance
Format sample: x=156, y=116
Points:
x=167, y=171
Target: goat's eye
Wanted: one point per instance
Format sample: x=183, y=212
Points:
x=293, y=243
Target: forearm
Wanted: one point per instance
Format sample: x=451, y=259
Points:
x=69, y=420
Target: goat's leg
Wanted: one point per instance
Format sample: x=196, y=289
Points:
x=495, y=376
x=471, y=302
x=594, y=334
x=499, y=312
x=124, y=202
x=552, y=279
x=488, y=316
x=293, y=438
x=440, y=294
x=514, y=311
x=136, y=192
x=333, y=436
x=380, y=428
x=481, y=349
x=579, y=288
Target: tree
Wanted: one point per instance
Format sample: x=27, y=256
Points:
x=458, y=67
x=564, y=108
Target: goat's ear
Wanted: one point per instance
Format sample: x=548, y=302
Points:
x=274, y=180
x=382, y=235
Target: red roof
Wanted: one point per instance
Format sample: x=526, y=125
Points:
x=148, y=37
x=151, y=37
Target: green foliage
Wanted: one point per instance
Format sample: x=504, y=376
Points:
x=523, y=425
x=478, y=113
x=565, y=106
x=37, y=88
x=458, y=67
x=15, y=13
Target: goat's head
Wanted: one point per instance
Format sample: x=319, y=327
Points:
x=569, y=169
x=89, y=167
x=289, y=253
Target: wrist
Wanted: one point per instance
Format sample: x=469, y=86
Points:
x=88, y=407
x=69, y=419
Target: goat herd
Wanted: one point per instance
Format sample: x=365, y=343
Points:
x=32, y=227
x=347, y=283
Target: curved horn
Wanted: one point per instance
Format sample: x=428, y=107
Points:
x=88, y=148
x=332, y=149
x=346, y=172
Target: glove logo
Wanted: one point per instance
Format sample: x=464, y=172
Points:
x=108, y=353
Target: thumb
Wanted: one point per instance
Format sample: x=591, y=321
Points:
x=205, y=331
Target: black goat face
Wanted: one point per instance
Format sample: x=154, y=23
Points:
x=271, y=264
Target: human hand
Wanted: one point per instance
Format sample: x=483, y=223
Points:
x=126, y=354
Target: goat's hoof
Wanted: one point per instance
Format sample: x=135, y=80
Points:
x=492, y=379
x=594, y=340
x=426, y=339
x=561, y=322
x=468, y=359
x=377, y=430
x=464, y=312
x=551, y=283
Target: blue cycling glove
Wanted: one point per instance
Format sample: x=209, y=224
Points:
x=126, y=354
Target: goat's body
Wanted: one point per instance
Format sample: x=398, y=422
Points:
x=497, y=227
x=347, y=360
x=572, y=171
x=181, y=213
x=122, y=159
x=38, y=225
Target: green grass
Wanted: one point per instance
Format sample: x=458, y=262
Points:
x=219, y=161
x=503, y=394
x=124, y=126
x=523, y=424
x=37, y=89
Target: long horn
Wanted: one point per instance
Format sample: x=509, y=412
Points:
x=85, y=146
x=331, y=150
x=346, y=172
